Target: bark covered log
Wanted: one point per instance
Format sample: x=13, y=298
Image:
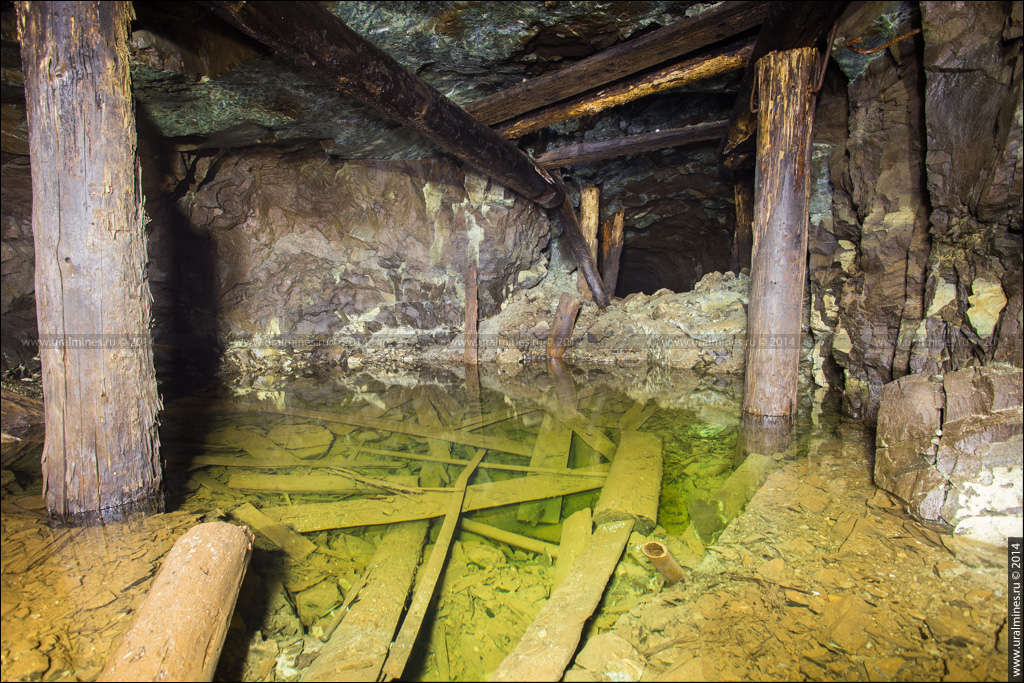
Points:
x=682, y=37
x=719, y=61
x=586, y=152
x=178, y=633
x=92, y=297
x=779, y=258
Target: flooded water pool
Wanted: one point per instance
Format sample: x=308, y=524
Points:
x=358, y=471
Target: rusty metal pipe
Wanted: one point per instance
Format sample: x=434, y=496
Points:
x=663, y=561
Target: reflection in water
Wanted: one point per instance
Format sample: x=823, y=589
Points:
x=343, y=467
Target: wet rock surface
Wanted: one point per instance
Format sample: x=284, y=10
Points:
x=950, y=449
x=915, y=267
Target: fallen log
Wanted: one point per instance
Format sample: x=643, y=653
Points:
x=625, y=59
x=402, y=647
x=549, y=643
x=179, y=630
x=721, y=60
x=587, y=152
x=359, y=646
x=308, y=517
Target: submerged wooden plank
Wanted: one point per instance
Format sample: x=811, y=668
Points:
x=575, y=537
x=358, y=648
x=549, y=643
x=388, y=509
x=306, y=483
x=402, y=647
x=634, y=483
x=296, y=546
x=492, y=443
x=551, y=450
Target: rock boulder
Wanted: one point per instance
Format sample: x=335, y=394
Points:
x=950, y=448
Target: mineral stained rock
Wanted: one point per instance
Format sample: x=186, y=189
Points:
x=950, y=448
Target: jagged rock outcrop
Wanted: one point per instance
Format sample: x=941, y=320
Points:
x=306, y=245
x=917, y=266
x=17, y=298
x=950, y=447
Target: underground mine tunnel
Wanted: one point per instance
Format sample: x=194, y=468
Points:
x=511, y=341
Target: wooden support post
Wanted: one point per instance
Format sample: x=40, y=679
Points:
x=611, y=245
x=309, y=35
x=586, y=152
x=402, y=647
x=651, y=49
x=719, y=61
x=633, y=489
x=561, y=329
x=357, y=649
x=743, y=237
x=788, y=25
x=471, y=312
x=101, y=453
x=779, y=258
x=179, y=630
x=590, y=216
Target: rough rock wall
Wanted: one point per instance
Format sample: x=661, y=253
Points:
x=915, y=266
x=17, y=298
x=306, y=245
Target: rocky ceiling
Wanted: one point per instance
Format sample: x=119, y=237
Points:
x=200, y=83
x=202, y=86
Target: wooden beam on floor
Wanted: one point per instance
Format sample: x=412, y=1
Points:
x=788, y=25
x=587, y=152
x=307, y=517
x=684, y=36
x=318, y=41
x=718, y=61
x=357, y=649
x=550, y=642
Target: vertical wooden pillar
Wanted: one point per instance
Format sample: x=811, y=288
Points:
x=611, y=249
x=590, y=208
x=92, y=297
x=471, y=312
x=779, y=258
x=742, y=242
